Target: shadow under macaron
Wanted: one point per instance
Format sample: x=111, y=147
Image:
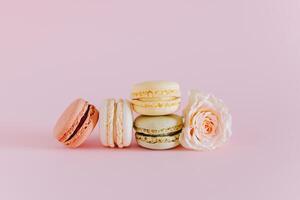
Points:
x=44, y=140
x=93, y=144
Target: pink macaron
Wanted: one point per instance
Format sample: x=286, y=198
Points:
x=76, y=123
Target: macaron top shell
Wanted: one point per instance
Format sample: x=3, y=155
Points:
x=152, y=89
x=69, y=119
x=107, y=112
x=158, y=124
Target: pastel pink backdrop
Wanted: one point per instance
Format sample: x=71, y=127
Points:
x=246, y=52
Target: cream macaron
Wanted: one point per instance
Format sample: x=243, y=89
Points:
x=116, y=122
x=76, y=123
x=158, y=132
x=156, y=97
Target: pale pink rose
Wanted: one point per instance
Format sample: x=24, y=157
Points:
x=207, y=122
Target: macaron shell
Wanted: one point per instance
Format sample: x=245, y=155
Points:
x=155, y=111
x=102, y=123
x=69, y=119
x=123, y=124
x=127, y=123
x=158, y=143
x=86, y=129
x=162, y=146
x=110, y=121
x=107, y=112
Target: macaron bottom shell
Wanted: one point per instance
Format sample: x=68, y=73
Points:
x=157, y=142
x=155, y=111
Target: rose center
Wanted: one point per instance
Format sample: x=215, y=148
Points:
x=209, y=123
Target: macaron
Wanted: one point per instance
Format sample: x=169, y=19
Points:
x=116, y=123
x=158, y=132
x=156, y=98
x=76, y=123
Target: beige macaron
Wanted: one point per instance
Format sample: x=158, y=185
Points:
x=156, y=97
x=158, y=132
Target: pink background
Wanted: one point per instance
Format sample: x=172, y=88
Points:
x=245, y=51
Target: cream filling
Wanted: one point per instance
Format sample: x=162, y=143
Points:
x=157, y=139
x=160, y=131
x=153, y=99
x=155, y=93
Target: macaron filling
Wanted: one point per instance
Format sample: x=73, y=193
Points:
x=82, y=120
x=155, y=93
x=164, y=131
x=158, y=142
x=160, y=135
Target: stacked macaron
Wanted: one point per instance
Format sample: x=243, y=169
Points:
x=157, y=127
x=158, y=132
